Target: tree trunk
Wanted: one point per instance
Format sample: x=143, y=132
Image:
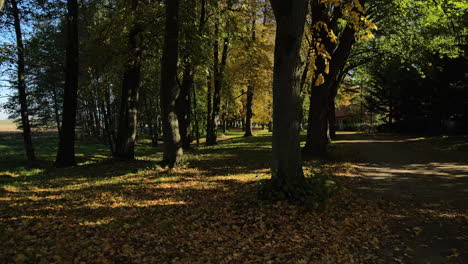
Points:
x=218, y=74
x=127, y=130
x=108, y=121
x=195, y=116
x=169, y=91
x=316, y=140
x=317, y=127
x=250, y=95
x=332, y=118
x=183, y=105
x=66, y=150
x=56, y=110
x=28, y=145
x=209, y=110
x=287, y=181
x=249, y=112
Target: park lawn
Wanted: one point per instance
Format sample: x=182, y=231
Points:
x=207, y=211
x=456, y=143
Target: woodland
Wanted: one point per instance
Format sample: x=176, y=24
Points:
x=207, y=131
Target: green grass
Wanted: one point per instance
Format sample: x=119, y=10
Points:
x=206, y=211
x=458, y=143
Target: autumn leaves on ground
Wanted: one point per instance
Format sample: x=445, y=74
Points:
x=207, y=211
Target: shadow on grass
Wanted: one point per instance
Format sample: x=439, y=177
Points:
x=205, y=212
x=232, y=156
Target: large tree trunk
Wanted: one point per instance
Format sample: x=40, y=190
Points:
x=317, y=127
x=28, y=146
x=332, y=118
x=218, y=74
x=169, y=91
x=66, y=150
x=127, y=130
x=287, y=181
x=184, y=102
x=183, y=105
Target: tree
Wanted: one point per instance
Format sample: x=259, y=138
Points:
x=332, y=55
x=66, y=149
x=287, y=180
x=417, y=42
x=45, y=65
x=21, y=84
x=127, y=130
x=169, y=91
x=219, y=66
x=250, y=94
x=191, y=48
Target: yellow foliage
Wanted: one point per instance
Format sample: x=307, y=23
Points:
x=320, y=80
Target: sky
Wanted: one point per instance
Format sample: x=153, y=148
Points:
x=3, y=115
x=7, y=37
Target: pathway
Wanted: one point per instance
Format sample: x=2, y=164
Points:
x=428, y=188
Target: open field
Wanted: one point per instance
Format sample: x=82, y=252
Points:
x=8, y=126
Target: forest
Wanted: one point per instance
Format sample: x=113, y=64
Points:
x=234, y=131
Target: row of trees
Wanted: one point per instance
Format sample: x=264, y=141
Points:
x=183, y=68
x=421, y=84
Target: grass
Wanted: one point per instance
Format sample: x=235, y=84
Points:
x=457, y=143
x=207, y=211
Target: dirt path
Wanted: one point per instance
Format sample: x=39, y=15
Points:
x=427, y=189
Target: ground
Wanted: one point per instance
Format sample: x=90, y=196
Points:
x=426, y=185
x=208, y=212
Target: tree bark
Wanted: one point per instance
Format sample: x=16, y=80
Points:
x=183, y=105
x=332, y=118
x=250, y=95
x=56, y=110
x=218, y=74
x=66, y=150
x=209, y=105
x=195, y=116
x=110, y=130
x=249, y=111
x=22, y=95
x=169, y=91
x=128, y=114
x=287, y=181
x=317, y=127
x=184, y=102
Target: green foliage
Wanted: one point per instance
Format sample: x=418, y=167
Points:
x=314, y=191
